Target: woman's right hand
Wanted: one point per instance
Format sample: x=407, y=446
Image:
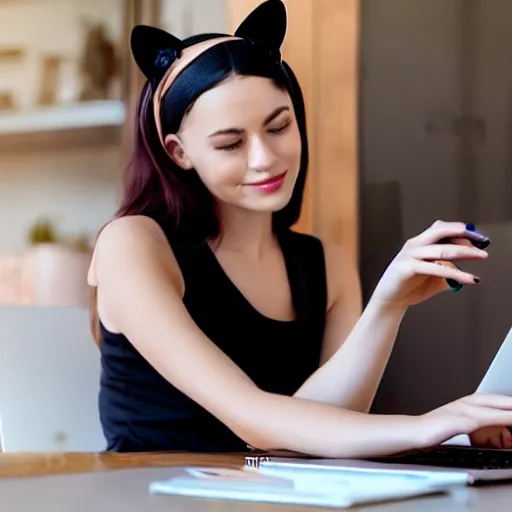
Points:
x=466, y=415
x=420, y=270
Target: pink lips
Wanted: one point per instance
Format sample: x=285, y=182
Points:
x=271, y=185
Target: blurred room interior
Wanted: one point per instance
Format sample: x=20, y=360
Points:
x=409, y=108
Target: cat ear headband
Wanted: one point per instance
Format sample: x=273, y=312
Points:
x=162, y=57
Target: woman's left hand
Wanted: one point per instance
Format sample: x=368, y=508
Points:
x=413, y=276
x=491, y=437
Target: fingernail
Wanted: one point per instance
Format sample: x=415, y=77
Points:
x=470, y=226
x=476, y=280
x=481, y=244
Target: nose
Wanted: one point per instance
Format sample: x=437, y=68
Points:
x=261, y=156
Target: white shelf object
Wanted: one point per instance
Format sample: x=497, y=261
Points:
x=103, y=113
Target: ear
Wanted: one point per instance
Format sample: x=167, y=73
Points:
x=177, y=152
x=266, y=23
x=154, y=50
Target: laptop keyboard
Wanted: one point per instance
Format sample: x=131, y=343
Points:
x=463, y=458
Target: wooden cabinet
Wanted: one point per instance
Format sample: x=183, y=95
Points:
x=322, y=47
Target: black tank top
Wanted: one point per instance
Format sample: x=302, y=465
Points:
x=142, y=411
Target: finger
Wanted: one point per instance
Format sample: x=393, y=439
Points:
x=486, y=438
x=488, y=417
x=440, y=230
x=492, y=400
x=489, y=442
x=488, y=410
x=486, y=423
x=457, y=241
x=447, y=271
x=506, y=438
x=448, y=252
x=465, y=241
x=495, y=440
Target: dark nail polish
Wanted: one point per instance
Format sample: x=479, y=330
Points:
x=481, y=245
x=470, y=226
x=476, y=279
x=455, y=286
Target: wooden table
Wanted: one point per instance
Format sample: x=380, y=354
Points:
x=81, y=482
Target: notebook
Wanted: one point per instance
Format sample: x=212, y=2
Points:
x=344, y=488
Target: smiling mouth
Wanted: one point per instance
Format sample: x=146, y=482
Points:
x=270, y=181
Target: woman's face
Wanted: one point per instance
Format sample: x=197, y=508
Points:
x=243, y=140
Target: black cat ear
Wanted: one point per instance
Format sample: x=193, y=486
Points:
x=267, y=23
x=154, y=50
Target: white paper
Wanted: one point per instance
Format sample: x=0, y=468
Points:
x=337, y=489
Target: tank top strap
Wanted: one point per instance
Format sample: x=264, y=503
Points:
x=305, y=261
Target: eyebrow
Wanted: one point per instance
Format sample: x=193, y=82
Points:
x=238, y=131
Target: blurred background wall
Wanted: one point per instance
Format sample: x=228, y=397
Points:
x=435, y=136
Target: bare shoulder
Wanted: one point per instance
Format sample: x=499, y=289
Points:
x=341, y=271
x=128, y=242
x=334, y=254
x=130, y=230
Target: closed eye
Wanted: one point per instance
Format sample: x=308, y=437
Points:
x=281, y=128
x=237, y=144
x=231, y=147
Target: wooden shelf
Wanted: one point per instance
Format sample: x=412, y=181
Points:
x=80, y=115
x=88, y=123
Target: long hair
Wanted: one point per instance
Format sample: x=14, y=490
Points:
x=155, y=186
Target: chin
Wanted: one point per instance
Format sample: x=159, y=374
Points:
x=260, y=200
x=271, y=203
x=271, y=200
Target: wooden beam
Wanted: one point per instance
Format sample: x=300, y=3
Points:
x=298, y=53
x=336, y=99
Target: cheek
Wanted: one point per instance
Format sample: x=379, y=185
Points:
x=292, y=147
x=219, y=168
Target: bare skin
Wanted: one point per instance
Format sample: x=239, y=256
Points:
x=140, y=294
x=492, y=437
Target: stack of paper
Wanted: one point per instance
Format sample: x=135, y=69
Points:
x=343, y=488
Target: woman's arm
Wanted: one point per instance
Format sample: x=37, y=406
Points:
x=356, y=349
x=140, y=294
x=350, y=378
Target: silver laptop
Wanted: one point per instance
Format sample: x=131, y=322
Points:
x=480, y=465
x=49, y=380
x=498, y=378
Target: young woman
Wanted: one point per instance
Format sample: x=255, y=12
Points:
x=219, y=326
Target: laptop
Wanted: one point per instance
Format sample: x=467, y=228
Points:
x=481, y=466
x=49, y=381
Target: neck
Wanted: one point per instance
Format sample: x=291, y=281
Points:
x=246, y=232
